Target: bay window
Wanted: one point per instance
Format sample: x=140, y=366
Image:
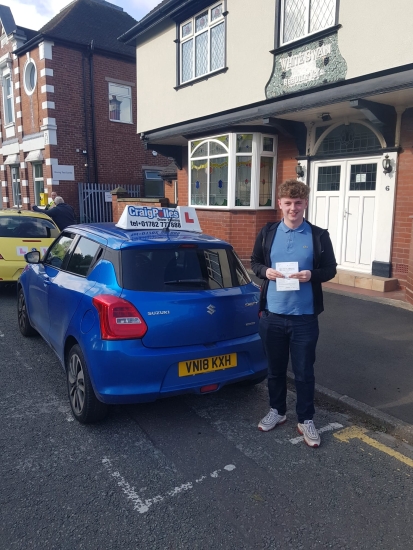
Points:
x=232, y=171
x=300, y=18
x=202, y=43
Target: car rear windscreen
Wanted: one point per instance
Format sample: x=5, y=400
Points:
x=24, y=227
x=181, y=268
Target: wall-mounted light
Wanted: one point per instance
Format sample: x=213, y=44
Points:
x=325, y=117
x=386, y=163
x=299, y=170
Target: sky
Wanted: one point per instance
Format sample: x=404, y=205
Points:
x=33, y=14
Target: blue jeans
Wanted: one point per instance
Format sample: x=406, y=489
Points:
x=281, y=336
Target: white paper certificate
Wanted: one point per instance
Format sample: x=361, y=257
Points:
x=287, y=269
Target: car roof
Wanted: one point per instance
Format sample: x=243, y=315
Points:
x=120, y=238
x=24, y=214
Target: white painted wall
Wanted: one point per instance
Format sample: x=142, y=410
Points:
x=250, y=37
x=375, y=36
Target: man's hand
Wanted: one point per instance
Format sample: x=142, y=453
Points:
x=273, y=274
x=302, y=276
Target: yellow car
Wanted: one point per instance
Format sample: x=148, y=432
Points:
x=20, y=232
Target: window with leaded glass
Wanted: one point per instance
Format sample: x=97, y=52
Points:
x=363, y=177
x=202, y=42
x=329, y=178
x=301, y=18
x=349, y=138
x=231, y=171
x=209, y=171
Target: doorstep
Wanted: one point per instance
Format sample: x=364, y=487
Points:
x=365, y=281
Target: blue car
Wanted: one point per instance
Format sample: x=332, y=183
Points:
x=136, y=315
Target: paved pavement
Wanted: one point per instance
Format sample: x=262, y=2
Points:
x=365, y=352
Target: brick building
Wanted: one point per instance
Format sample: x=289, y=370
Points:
x=68, y=108
x=245, y=95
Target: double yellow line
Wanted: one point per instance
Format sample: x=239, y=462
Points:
x=360, y=433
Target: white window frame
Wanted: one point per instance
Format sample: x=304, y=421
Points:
x=16, y=184
x=29, y=62
x=192, y=36
x=7, y=114
x=129, y=88
x=307, y=16
x=257, y=153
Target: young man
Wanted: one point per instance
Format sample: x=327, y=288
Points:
x=293, y=257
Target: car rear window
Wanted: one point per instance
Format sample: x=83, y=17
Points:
x=181, y=268
x=25, y=227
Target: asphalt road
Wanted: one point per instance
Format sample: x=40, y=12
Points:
x=186, y=473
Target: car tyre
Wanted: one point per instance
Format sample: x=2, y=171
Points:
x=23, y=317
x=86, y=407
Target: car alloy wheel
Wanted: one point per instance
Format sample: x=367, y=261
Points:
x=22, y=316
x=86, y=407
x=76, y=381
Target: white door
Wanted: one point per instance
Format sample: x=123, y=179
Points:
x=344, y=201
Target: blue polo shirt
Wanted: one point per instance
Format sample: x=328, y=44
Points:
x=292, y=245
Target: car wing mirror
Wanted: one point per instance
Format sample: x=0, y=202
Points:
x=32, y=257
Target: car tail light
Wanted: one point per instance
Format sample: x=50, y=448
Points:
x=119, y=319
x=210, y=387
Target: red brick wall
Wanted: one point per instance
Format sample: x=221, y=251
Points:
x=404, y=203
x=119, y=151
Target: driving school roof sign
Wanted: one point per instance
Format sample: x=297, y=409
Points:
x=182, y=218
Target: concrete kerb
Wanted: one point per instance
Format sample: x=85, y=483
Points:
x=380, y=420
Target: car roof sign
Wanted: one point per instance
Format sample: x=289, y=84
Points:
x=182, y=218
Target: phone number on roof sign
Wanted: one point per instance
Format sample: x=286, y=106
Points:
x=159, y=223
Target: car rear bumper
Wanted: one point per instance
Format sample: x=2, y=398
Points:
x=10, y=270
x=127, y=372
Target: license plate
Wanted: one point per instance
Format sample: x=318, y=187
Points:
x=207, y=364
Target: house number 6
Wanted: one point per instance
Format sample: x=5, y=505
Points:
x=387, y=188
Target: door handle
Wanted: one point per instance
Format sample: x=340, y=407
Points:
x=346, y=213
x=46, y=280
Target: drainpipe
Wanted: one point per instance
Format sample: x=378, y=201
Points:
x=85, y=119
x=92, y=105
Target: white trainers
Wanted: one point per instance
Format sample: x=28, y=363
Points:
x=310, y=433
x=271, y=420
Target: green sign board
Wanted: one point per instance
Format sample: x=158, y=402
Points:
x=313, y=64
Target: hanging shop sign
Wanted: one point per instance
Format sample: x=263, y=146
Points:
x=313, y=64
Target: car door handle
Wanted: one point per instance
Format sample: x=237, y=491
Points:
x=46, y=280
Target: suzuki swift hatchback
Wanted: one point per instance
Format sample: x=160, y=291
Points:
x=138, y=315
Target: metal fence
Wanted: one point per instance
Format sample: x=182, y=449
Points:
x=95, y=200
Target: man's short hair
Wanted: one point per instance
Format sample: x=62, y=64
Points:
x=59, y=200
x=293, y=189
